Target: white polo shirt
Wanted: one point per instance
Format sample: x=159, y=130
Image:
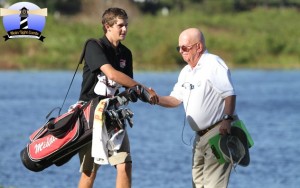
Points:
x=203, y=90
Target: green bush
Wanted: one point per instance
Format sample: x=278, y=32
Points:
x=261, y=38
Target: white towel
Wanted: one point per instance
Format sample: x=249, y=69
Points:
x=106, y=86
x=101, y=143
x=116, y=140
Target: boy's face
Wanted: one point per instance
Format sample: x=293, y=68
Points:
x=119, y=30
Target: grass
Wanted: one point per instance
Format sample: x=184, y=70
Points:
x=261, y=38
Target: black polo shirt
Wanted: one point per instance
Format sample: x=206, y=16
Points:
x=95, y=56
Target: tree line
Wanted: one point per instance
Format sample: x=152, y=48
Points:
x=71, y=7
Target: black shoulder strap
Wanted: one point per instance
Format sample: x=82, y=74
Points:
x=84, y=47
x=83, y=53
x=80, y=62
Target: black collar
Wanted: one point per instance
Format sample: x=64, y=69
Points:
x=104, y=40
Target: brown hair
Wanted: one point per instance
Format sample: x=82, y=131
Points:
x=110, y=17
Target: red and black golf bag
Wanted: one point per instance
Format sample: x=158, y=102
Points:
x=58, y=140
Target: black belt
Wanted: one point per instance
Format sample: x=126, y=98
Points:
x=203, y=132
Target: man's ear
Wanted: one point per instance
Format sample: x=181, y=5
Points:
x=106, y=27
x=200, y=47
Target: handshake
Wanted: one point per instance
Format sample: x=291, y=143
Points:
x=140, y=92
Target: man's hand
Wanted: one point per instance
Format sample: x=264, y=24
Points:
x=146, y=94
x=225, y=127
x=153, y=96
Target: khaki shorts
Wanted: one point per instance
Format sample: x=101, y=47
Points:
x=87, y=161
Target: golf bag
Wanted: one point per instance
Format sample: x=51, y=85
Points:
x=58, y=140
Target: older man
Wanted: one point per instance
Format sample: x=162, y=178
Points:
x=204, y=86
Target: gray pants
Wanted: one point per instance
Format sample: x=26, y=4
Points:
x=206, y=170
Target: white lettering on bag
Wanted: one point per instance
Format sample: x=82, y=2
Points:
x=43, y=145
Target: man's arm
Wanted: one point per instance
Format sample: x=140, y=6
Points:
x=168, y=101
x=117, y=76
x=126, y=81
x=230, y=105
x=229, y=110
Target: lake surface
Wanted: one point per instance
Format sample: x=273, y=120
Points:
x=268, y=102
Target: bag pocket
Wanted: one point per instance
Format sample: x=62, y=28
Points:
x=61, y=125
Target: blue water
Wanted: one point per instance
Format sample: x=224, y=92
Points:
x=268, y=102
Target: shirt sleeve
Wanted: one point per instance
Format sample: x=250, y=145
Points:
x=177, y=91
x=95, y=56
x=221, y=79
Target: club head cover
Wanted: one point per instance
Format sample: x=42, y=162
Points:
x=144, y=95
x=130, y=94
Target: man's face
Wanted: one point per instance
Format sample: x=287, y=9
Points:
x=119, y=30
x=187, y=50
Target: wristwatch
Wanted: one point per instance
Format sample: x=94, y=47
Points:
x=227, y=117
